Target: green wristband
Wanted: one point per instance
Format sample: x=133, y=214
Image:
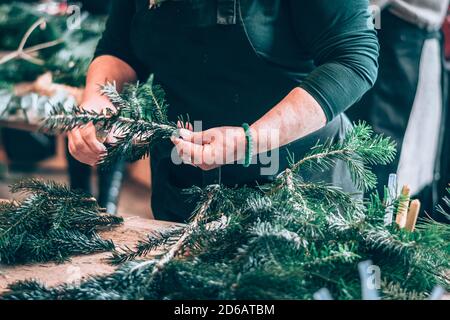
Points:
x=249, y=148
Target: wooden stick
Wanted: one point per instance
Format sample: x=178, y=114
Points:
x=19, y=52
x=413, y=214
x=402, y=211
x=26, y=54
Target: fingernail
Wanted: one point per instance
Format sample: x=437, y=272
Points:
x=185, y=134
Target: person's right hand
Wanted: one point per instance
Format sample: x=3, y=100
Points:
x=83, y=142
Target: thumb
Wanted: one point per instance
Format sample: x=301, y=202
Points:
x=190, y=136
x=186, y=135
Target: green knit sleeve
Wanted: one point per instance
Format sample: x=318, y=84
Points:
x=342, y=42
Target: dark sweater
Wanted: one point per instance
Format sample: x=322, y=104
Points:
x=327, y=47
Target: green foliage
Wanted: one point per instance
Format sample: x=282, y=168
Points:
x=138, y=121
x=51, y=223
x=359, y=150
x=154, y=241
x=284, y=240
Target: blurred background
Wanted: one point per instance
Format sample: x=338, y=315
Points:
x=43, y=64
x=29, y=88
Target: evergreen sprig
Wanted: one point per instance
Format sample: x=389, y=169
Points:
x=51, y=224
x=139, y=120
x=154, y=241
x=359, y=150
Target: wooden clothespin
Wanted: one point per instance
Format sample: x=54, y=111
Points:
x=403, y=206
x=413, y=214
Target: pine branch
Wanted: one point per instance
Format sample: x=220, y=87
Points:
x=162, y=262
x=51, y=224
x=109, y=90
x=139, y=121
x=442, y=210
x=154, y=242
x=393, y=291
x=359, y=150
x=49, y=188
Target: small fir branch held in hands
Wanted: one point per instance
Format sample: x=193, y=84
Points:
x=138, y=121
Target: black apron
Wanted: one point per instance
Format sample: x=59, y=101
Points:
x=213, y=73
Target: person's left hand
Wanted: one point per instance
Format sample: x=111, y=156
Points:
x=212, y=148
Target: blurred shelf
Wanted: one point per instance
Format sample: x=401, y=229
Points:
x=19, y=125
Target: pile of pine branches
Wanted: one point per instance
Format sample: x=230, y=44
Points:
x=284, y=240
x=51, y=224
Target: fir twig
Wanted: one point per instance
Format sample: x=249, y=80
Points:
x=51, y=223
x=138, y=120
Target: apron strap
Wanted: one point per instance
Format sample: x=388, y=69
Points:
x=226, y=11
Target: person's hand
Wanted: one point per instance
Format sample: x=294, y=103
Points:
x=84, y=145
x=212, y=148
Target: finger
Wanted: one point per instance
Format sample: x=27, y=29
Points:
x=188, y=150
x=70, y=144
x=186, y=135
x=185, y=158
x=210, y=135
x=193, y=137
x=81, y=151
x=88, y=134
x=189, y=126
x=80, y=157
x=208, y=156
x=186, y=125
